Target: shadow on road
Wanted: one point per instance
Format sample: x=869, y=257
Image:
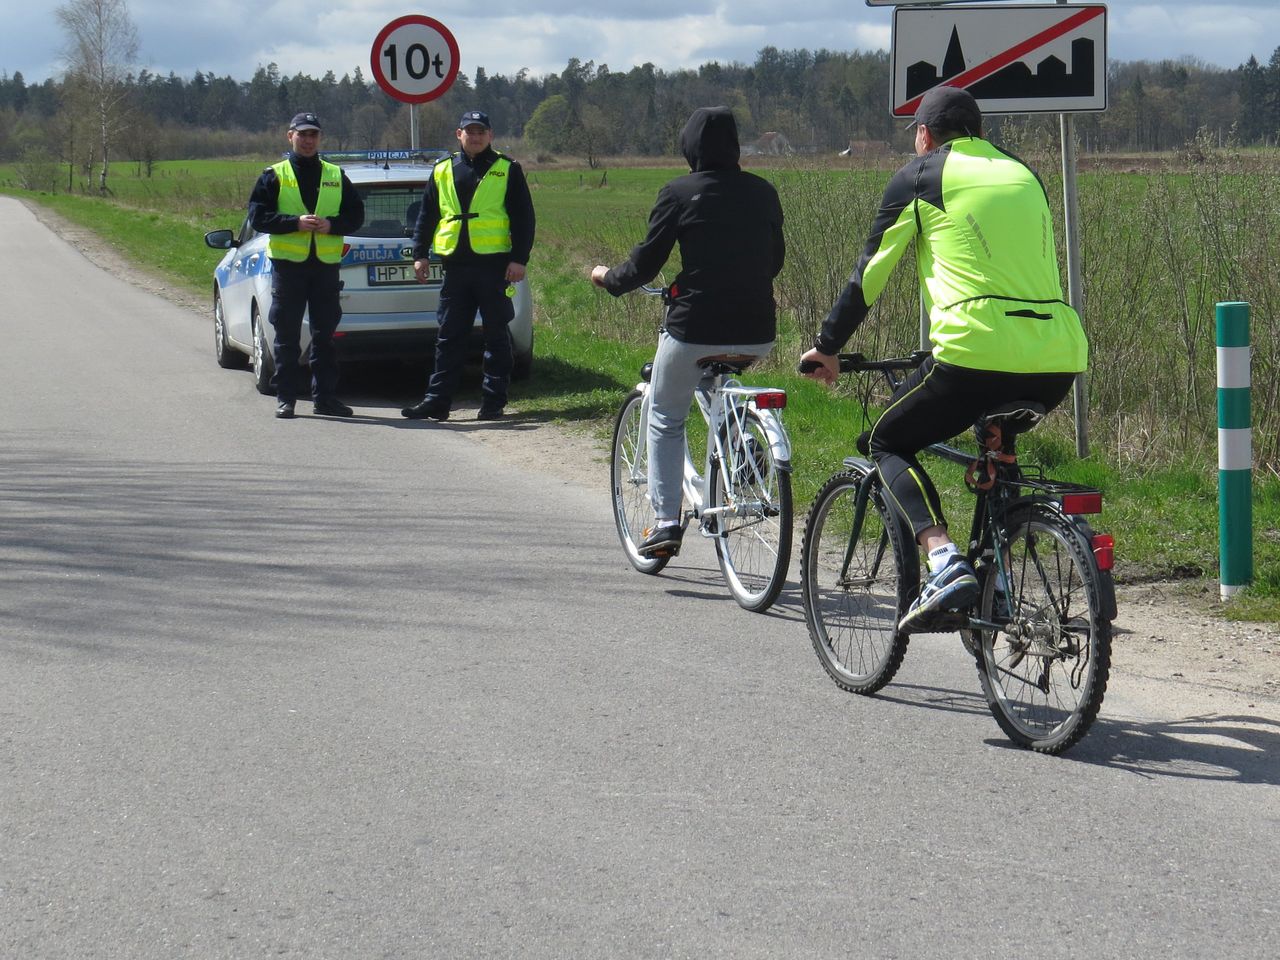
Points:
x=1226, y=747
x=103, y=555
x=1206, y=747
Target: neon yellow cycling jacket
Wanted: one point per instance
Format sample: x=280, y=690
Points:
x=986, y=258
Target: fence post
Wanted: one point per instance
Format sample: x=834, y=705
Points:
x=1235, y=450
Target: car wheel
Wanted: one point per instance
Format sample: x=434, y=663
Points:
x=228, y=357
x=263, y=363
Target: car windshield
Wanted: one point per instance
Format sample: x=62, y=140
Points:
x=390, y=209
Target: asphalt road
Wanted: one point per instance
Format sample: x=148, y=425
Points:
x=362, y=689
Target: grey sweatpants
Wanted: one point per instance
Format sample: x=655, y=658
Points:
x=676, y=375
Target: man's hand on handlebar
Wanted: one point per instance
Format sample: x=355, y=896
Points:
x=820, y=366
x=597, y=274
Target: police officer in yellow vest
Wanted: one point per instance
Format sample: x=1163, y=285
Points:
x=307, y=205
x=478, y=216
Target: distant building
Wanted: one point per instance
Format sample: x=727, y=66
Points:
x=770, y=144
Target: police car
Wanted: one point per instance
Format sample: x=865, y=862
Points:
x=386, y=313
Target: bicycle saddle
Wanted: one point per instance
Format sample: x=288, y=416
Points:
x=727, y=362
x=1015, y=417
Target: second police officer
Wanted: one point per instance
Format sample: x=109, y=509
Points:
x=478, y=217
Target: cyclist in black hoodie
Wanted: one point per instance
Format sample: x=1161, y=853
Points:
x=729, y=227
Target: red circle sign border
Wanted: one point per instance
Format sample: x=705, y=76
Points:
x=385, y=84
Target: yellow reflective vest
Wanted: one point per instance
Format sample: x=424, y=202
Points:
x=488, y=226
x=297, y=246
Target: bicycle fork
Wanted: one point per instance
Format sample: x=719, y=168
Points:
x=861, y=499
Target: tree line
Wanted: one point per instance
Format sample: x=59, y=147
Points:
x=818, y=100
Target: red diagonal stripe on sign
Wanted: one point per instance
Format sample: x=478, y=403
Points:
x=988, y=67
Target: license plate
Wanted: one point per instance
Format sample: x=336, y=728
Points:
x=392, y=274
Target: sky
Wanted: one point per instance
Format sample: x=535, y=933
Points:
x=235, y=37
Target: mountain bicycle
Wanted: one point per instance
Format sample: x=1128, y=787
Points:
x=740, y=492
x=1040, y=630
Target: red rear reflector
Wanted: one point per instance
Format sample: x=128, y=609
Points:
x=1104, y=550
x=339, y=333
x=773, y=400
x=1082, y=502
x=345, y=248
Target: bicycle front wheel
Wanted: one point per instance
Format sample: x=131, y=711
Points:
x=1044, y=671
x=858, y=572
x=753, y=534
x=629, y=483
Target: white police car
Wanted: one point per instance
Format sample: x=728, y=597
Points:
x=386, y=313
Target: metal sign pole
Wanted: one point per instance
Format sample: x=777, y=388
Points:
x=413, y=126
x=925, y=342
x=1075, y=289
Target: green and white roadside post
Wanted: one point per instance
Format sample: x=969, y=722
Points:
x=1235, y=451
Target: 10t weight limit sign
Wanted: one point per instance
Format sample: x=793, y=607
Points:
x=415, y=59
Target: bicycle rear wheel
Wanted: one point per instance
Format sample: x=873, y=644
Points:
x=1044, y=673
x=753, y=538
x=856, y=581
x=629, y=483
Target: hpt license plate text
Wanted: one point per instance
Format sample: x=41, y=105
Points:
x=392, y=273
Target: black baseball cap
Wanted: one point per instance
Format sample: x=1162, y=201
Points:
x=949, y=110
x=305, y=121
x=472, y=117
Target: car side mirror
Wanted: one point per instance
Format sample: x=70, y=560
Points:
x=220, y=239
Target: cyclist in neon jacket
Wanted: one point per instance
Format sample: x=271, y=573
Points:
x=1000, y=328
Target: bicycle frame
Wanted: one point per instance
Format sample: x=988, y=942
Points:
x=723, y=405
x=987, y=543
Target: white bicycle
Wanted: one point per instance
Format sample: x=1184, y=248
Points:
x=740, y=494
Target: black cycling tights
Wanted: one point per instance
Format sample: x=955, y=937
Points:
x=936, y=402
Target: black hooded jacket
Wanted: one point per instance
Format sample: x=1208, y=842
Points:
x=729, y=226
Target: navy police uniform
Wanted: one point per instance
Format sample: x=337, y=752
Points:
x=309, y=285
x=474, y=282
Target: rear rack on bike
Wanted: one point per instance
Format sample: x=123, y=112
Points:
x=1075, y=498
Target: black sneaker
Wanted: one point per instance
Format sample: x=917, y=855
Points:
x=661, y=541
x=284, y=410
x=954, y=587
x=332, y=407
x=426, y=410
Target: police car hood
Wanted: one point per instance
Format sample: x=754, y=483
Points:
x=709, y=140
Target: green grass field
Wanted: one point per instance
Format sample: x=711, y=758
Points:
x=590, y=346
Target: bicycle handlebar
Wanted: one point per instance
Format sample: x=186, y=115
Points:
x=851, y=362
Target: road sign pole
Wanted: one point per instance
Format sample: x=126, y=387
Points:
x=1075, y=289
x=413, y=126
x=925, y=342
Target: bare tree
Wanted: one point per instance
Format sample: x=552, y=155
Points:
x=102, y=46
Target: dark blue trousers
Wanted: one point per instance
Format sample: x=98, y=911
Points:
x=470, y=288
x=310, y=287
